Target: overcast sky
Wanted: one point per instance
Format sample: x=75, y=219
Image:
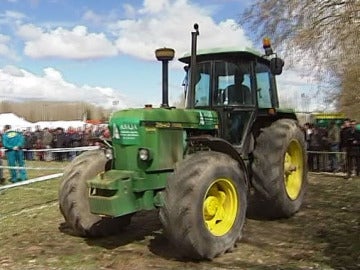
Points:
x=103, y=51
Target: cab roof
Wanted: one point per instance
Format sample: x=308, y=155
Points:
x=221, y=53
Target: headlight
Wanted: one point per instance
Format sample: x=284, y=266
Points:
x=144, y=154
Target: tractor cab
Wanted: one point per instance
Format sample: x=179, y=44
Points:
x=238, y=85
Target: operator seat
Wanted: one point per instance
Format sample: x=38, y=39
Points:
x=238, y=93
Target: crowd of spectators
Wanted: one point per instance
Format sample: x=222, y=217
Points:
x=341, y=141
x=44, y=145
x=52, y=139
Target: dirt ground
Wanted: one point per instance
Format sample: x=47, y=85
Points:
x=323, y=235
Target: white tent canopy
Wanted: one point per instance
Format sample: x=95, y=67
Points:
x=16, y=122
x=63, y=124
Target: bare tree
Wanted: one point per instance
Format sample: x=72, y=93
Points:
x=326, y=31
x=350, y=98
x=48, y=111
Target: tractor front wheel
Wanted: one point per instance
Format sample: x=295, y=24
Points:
x=204, y=205
x=74, y=197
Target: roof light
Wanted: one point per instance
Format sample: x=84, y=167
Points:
x=266, y=42
x=267, y=46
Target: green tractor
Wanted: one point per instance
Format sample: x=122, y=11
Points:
x=229, y=154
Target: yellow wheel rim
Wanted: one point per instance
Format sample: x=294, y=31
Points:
x=293, y=169
x=220, y=206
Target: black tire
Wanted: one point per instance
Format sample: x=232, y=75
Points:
x=74, y=198
x=279, y=171
x=202, y=186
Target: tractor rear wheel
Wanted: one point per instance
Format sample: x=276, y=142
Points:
x=74, y=197
x=204, y=205
x=279, y=171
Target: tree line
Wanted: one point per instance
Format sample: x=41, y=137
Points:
x=35, y=111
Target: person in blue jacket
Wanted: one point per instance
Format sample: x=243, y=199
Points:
x=2, y=179
x=13, y=143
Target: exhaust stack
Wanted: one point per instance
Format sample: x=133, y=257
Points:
x=165, y=55
x=191, y=92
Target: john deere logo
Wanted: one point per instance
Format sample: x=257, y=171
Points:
x=202, y=120
x=116, y=133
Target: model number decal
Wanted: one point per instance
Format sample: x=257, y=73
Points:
x=127, y=133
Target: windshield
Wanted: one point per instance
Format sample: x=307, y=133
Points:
x=231, y=83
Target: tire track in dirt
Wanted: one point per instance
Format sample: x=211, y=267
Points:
x=34, y=208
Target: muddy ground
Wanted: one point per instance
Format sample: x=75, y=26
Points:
x=323, y=235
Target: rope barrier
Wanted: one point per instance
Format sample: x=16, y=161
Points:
x=54, y=150
x=33, y=168
x=30, y=181
x=325, y=152
x=46, y=177
x=67, y=149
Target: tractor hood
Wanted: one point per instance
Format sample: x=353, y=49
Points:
x=125, y=124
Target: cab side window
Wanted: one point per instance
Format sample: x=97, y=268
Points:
x=264, y=90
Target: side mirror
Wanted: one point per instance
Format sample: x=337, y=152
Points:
x=276, y=65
